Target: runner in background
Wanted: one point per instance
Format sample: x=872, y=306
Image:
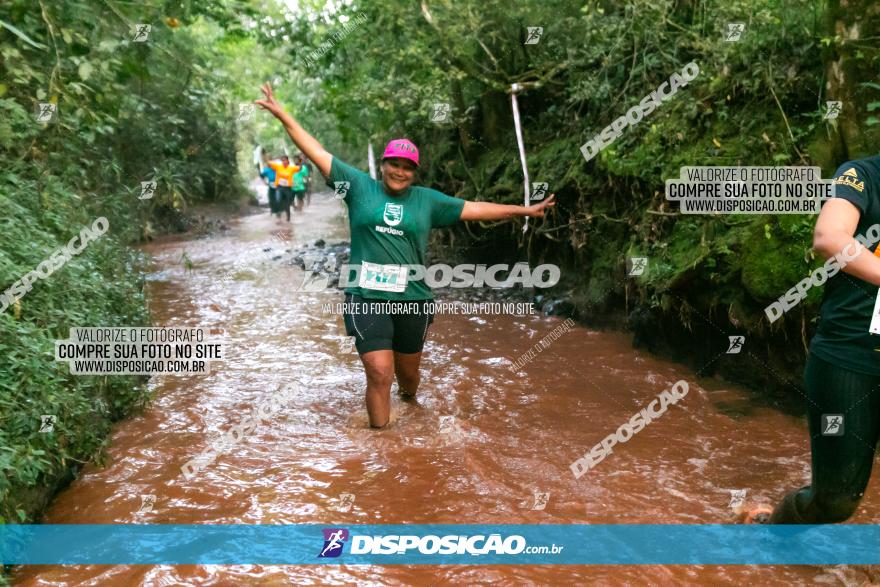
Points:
x=299, y=183
x=268, y=175
x=284, y=173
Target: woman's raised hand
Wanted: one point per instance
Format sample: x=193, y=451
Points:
x=302, y=139
x=269, y=103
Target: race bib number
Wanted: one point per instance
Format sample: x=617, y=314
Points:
x=284, y=182
x=875, y=319
x=383, y=277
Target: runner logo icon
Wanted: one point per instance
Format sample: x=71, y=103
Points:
x=46, y=111
x=341, y=189
x=534, y=35
x=334, y=540
x=734, y=31
x=393, y=214
x=736, y=344
x=832, y=424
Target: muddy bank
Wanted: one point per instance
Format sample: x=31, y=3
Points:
x=198, y=220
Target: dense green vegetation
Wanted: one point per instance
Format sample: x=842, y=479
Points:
x=168, y=110
x=127, y=112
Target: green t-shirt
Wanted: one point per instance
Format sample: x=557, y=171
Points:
x=843, y=336
x=388, y=232
x=299, y=178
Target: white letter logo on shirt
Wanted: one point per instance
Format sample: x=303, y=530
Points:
x=393, y=214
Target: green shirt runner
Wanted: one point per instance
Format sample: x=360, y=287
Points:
x=389, y=233
x=299, y=178
x=843, y=336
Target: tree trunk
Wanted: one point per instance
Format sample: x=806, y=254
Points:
x=846, y=69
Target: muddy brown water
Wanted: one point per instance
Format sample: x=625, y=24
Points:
x=510, y=436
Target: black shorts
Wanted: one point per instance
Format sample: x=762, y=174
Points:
x=383, y=325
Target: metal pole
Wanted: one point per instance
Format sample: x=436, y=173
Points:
x=371, y=158
x=522, y=150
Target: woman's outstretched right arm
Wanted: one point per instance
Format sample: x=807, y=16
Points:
x=306, y=143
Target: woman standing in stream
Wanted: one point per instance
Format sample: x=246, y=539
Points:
x=389, y=221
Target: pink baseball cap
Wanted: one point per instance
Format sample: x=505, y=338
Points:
x=403, y=148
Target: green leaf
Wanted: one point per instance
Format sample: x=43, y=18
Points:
x=21, y=35
x=85, y=70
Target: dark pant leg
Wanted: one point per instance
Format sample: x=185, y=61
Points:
x=298, y=198
x=285, y=196
x=841, y=464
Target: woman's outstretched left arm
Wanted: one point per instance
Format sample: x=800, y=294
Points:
x=490, y=211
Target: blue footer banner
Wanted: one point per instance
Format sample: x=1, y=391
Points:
x=440, y=544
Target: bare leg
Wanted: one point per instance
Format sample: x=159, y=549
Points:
x=406, y=366
x=379, y=367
